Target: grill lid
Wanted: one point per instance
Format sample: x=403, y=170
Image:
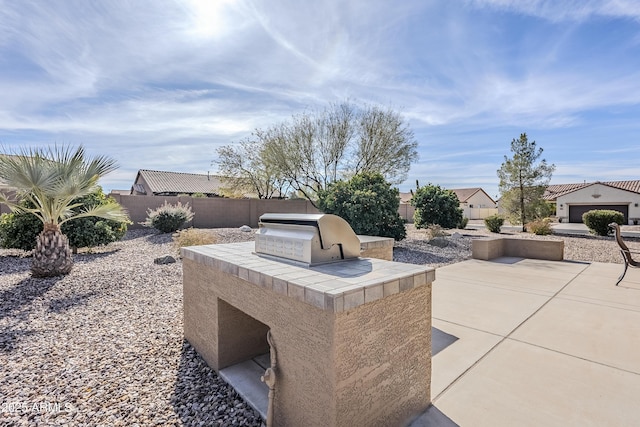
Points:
x=308, y=238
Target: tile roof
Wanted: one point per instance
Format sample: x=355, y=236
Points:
x=463, y=194
x=179, y=182
x=555, y=191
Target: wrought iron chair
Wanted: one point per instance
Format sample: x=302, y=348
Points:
x=625, y=251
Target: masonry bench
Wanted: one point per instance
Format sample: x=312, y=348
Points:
x=487, y=249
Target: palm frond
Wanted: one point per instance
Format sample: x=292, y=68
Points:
x=112, y=211
x=52, y=178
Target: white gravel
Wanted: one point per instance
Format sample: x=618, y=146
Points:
x=104, y=346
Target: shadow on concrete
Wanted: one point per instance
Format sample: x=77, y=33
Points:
x=440, y=340
x=432, y=417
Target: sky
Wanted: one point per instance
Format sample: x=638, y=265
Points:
x=162, y=84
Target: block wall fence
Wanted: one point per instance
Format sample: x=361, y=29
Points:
x=221, y=212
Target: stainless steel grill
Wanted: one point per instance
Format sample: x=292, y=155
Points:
x=310, y=239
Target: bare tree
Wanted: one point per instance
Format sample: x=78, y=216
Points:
x=244, y=171
x=386, y=144
x=315, y=149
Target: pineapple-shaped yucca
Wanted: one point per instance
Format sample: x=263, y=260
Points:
x=51, y=179
x=52, y=255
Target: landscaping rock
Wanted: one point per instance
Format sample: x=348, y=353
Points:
x=167, y=259
x=245, y=228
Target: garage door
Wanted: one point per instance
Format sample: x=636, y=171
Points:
x=575, y=212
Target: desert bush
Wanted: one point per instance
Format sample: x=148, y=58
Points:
x=437, y=236
x=168, y=218
x=434, y=231
x=598, y=220
x=493, y=223
x=435, y=205
x=368, y=203
x=540, y=227
x=19, y=230
x=463, y=223
x=193, y=237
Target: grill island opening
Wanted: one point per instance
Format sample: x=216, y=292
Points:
x=352, y=334
x=310, y=239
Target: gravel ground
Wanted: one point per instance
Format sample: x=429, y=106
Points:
x=103, y=345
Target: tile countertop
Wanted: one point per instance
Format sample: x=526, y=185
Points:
x=334, y=287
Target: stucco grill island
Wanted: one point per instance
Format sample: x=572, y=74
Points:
x=339, y=339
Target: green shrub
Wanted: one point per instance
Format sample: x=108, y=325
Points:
x=89, y=232
x=598, y=220
x=463, y=223
x=18, y=230
x=540, y=227
x=368, y=203
x=493, y=223
x=168, y=218
x=435, y=205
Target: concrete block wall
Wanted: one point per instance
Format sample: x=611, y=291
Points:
x=214, y=212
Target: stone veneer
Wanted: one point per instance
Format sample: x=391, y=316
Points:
x=353, y=338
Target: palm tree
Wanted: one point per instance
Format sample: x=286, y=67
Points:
x=51, y=179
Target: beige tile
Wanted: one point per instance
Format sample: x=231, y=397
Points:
x=243, y=273
x=314, y=295
x=280, y=286
x=296, y=292
x=406, y=283
x=334, y=302
x=353, y=299
x=391, y=288
x=372, y=293
x=420, y=279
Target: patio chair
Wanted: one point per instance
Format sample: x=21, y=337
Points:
x=625, y=251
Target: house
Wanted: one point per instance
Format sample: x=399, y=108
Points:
x=161, y=183
x=573, y=200
x=474, y=202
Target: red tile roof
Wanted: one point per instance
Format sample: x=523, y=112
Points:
x=555, y=191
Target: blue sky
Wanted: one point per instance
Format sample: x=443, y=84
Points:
x=162, y=84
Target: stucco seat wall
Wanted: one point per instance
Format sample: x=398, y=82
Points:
x=487, y=249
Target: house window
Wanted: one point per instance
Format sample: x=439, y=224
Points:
x=471, y=206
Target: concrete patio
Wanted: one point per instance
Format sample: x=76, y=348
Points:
x=535, y=343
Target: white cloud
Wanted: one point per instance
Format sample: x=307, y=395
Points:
x=163, y=83
x=578, y=10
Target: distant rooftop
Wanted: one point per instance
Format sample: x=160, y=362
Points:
x=168, y=183
x=555, y=191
